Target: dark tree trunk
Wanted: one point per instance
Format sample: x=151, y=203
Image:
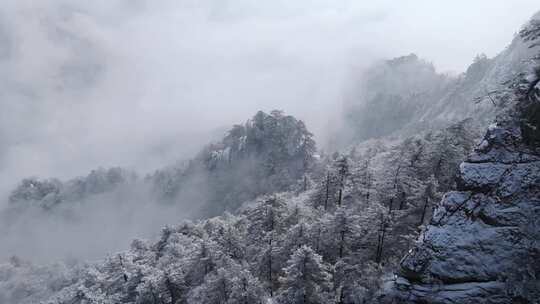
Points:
x=438, y=166
x=225, y=293
x=172, y=290
x=341, y=244
x=394, y=188
x=305, y=279
x=341, y=185
x=327, y=191
x=299, y=242
x=317, y=244
x=368, y=186
x=340, y=295
x=270, y=269
x=380, y=244
x=244, y=287
x=426, y=203
x=402, y=199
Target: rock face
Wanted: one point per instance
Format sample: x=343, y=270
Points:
x=483, y=242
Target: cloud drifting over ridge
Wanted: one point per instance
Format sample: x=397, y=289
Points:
x=143, y=83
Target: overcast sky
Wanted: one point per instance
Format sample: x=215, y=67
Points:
x=141, y=83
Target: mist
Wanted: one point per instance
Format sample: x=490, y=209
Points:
x=143, y=84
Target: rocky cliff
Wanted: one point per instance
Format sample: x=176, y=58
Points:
x=483, y=242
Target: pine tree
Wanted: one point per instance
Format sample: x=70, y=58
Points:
x=356, y=281
x=228, y=285
x=306, y=279
x=264, y=228
x=343, y=171
x=327, y=190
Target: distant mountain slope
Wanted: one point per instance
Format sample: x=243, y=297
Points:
x=269, y=153
x=391, y=95
x=405, y=95
x=48, y=193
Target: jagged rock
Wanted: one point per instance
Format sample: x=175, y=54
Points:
x=482, y=237
x=482, y=244
x=482, y=177
x=475, y=239
x=463, y=293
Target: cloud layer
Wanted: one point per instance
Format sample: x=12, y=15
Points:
x=144, y=83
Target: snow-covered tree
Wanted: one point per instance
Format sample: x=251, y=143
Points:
x=264, y=230
x=306, y=279
x=229, y=285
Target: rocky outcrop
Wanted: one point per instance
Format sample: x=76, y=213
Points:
x=483, y=242
x=478, y=236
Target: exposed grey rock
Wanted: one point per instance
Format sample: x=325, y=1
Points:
x=476, y=237
x=482, y=243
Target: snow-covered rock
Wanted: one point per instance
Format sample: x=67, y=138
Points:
x=476, y=240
